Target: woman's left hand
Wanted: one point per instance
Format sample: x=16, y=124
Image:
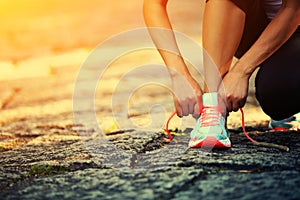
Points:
x=234, y=90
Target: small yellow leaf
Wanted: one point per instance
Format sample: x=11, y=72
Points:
x=111, y=128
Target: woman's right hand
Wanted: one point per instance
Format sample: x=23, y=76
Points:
x=187, y=92
x=187, y=95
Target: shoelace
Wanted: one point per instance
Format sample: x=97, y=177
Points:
x=170, y=138
x=210, y=116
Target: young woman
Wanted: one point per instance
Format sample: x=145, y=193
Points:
x=261, y=33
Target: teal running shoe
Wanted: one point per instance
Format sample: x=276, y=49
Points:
x=210, y=131
x=288, y=124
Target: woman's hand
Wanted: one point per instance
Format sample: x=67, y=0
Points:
x=187, y=95
x=186, y=91
x=234, y=90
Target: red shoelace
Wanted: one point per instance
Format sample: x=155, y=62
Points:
x=210, y=116
x=170, y=138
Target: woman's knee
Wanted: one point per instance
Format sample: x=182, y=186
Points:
x=277, y=98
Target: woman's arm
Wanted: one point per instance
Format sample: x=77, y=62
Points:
x=273, y=37
x=156, y=17
x=187, y=92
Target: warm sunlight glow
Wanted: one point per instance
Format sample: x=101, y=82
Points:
x=33, y=29
x=30, y=27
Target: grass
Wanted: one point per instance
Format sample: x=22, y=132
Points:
x=45, y=170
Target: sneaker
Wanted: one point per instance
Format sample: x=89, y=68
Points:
x=210, y=131
x=288, y=124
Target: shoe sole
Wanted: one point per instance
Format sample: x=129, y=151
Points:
x=211, y=142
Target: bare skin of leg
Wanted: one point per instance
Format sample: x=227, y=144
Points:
x=223, y=26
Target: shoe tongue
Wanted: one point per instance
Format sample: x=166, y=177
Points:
x=210, y=99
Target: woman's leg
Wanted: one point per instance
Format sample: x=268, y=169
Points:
x=223, y=25
x=230, y=27
x=278, y=81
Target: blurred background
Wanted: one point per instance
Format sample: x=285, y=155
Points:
x=44, y=43
x=35, y=28
x=42, y=29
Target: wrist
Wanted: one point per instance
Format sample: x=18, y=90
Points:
x=243, y=69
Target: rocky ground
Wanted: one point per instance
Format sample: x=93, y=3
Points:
x=137, y=164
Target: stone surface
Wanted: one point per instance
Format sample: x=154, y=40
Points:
x=136, y=164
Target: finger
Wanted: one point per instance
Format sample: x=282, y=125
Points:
x=179, y=112
x=185, y=109
x=178, y=108
x=235, y=106
x=191, y=106
x=242, y=103
x=196, y=113
x=229, y=105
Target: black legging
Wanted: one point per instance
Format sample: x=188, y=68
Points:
x=278, y=79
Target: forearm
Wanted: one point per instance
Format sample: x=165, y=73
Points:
x=160, y=29
x=274, y=36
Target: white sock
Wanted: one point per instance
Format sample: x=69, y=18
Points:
x=210, y=99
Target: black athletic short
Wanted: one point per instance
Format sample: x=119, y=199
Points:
x=256, y=21
x=278, y=79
